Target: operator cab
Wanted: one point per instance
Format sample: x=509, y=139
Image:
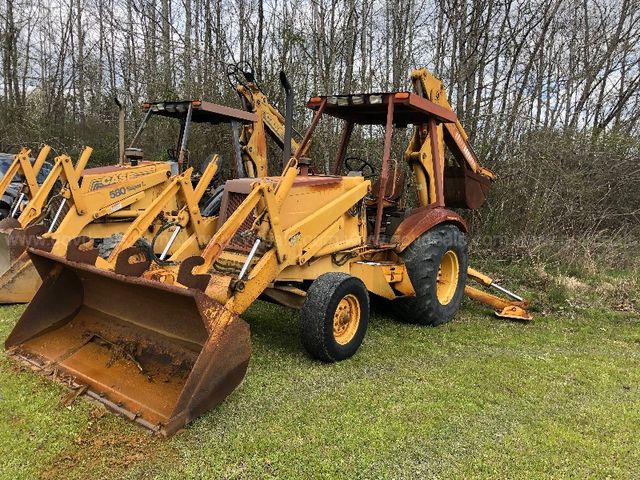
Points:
x=395, y=109
x=190, y=112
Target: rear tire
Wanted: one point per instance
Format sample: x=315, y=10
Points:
x=334, y=317
x=437, y=266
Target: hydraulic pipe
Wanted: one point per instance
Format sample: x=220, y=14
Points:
x=170, y=242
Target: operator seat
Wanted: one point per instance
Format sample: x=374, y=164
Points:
x=394, y=189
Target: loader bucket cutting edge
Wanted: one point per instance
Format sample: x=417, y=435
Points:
x=157, y=354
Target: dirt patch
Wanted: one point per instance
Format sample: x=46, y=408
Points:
x=103, y=450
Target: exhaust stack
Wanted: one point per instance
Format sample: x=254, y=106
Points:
x=120, y=131
x=288, y=119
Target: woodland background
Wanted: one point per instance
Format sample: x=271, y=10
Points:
x=549, y=91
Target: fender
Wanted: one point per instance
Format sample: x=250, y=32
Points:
x=422, y=219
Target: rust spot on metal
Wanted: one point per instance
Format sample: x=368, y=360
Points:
x=44, y=244
x=132, y=262
x=422, y=219
x=35, y=230
x=8, y=224
x=81, y=250
x=186, y=276
x=19, y=239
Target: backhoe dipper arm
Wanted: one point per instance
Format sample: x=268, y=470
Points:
x=429, y=86
x=253, y=136
x=430, y=180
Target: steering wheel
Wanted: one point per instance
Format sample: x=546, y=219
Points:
x=172, y=154
x=357, y=164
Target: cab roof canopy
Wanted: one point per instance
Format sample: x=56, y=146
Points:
x=203, y=112
x=371, y=108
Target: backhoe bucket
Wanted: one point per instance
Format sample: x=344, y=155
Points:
x=157, y=354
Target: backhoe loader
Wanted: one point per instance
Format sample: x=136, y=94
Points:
x=162, y=344
x=193, y=218
x=99, y=203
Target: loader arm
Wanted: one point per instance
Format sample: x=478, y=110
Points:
x=189, y=215
x=34, y=208
x=22, y=164
x=291, y=246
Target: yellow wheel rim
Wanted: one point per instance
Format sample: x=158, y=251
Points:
x=448, y=274
x=346, y=319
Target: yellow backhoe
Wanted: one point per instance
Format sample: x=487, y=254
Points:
x=163, y=343
x=100, y=203
x=249, y=142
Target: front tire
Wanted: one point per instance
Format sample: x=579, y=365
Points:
x=437, y=266
x=334, y=317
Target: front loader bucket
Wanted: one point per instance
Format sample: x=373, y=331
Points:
x=9, y=249
x=19, y=282
x=157, y=354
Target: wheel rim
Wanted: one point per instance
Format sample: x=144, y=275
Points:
x=448, y=274
x=346, y=319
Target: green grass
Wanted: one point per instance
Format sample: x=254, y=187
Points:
x=479, y=397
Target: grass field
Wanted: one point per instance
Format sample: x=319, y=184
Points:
x=479, y=397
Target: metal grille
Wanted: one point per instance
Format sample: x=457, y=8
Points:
x=244, y=238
